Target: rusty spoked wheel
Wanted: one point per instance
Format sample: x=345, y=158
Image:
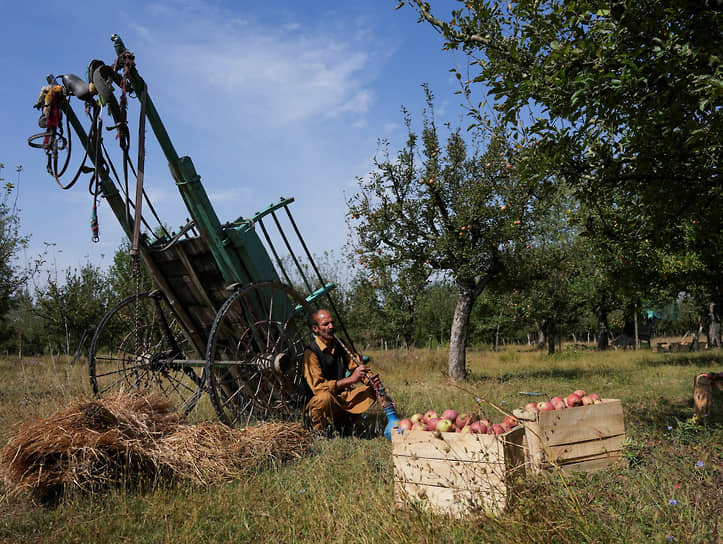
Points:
x=254, y=353
x=140, y=345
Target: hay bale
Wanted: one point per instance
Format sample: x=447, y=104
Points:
x=133, y=438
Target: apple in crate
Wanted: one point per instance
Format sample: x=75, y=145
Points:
x=531, y=407
x=579, y=392
x=405, y=425
x=498, y=429
x=464, y=419
x=444, y=425
x=450, y=414
x=595, y=398
x=573, y=399
x=545, y=406
x=429, y=415
x=417, y=418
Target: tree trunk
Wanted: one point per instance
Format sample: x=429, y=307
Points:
x=602, y=329
x=458, y=337
x=714, y=327
x=551, y=333
x=540, y=336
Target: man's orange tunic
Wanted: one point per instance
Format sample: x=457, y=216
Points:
x=328, y=404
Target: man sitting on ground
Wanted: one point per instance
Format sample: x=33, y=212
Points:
x=332, y=374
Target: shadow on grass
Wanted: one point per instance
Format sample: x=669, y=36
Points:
x=658, y=414
x=714, y=359
x=568, y=374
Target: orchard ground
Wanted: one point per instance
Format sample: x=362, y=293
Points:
x=666, y=490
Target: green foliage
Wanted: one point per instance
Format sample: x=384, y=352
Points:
x=623, y=102
x=455, y=209
x=71, y=310
x=11, y=241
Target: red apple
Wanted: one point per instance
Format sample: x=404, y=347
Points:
x=490, y=430
x=498, y=429
x=418, y=426
x=573, y=399
x=587, y=400
x=486, y=422
x=450, y=414
x=464, y=419
x=532, y=407
x=431, y=424
x=481, y=427
x=430, y=414
x=474, y=427
x=545, y=406
x=417, y=417
x=558, y=403
x=595, y=398
x=405, y=425
x=511, y=421
x=579, y=392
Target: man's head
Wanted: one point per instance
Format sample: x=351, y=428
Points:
x=323, y=325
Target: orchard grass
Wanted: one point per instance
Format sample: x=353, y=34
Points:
x=668, y=489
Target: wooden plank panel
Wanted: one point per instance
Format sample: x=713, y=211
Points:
x=443, y=473
x=450, y=501
x=455, y=446
x=582, y=423
x=592, y=465
x=586, y=449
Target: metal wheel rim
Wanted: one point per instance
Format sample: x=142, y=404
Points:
x=257, y=386
x=125, y=355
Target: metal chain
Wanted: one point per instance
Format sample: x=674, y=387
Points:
x=136, y=271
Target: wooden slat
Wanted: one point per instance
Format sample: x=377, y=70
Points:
x=590, y=448
x=450, y=501
x=443, y=473
x=455, y=446
x=582, y=423
x=591, y=465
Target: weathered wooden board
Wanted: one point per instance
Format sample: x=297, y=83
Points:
x=581, y=438
x=455, y=473
x=708, y=397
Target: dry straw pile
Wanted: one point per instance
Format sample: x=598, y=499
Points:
x=138, y=438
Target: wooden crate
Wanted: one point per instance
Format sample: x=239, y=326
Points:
x=584, y=438
x=456, y=473
x=708, y=397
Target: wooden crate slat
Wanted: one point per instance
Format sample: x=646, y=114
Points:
x=443, y=473
x=590, y=448
x=591, y=465
x=582, y=423
x=455, y=446
x=451, y=501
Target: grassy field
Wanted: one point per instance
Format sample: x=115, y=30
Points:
x=669, y=489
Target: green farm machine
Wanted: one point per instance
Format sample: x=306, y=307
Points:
x=223, y=317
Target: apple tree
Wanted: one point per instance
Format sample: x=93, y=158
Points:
x=455, y=209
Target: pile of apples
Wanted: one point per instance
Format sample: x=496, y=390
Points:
x=576, y=398
x=452, y=421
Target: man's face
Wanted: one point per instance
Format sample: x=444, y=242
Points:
x=324, y=326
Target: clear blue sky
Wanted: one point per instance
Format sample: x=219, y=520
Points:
x=269, y=99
